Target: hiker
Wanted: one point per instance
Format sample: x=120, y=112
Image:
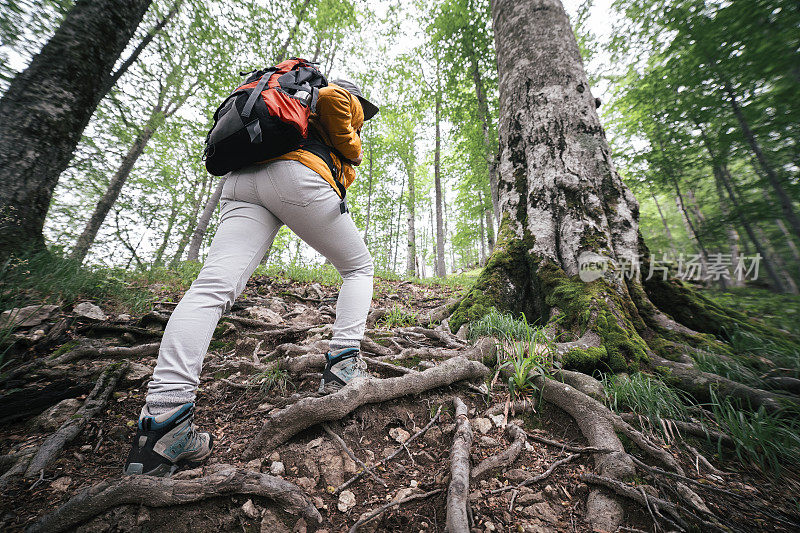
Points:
x=297, y=189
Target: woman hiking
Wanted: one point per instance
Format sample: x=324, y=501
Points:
x=296, y=189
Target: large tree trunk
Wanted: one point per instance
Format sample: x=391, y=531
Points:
x=411, y=266
x=47, y=107
x=202, y=223
x=569, y=224
x=439, y=269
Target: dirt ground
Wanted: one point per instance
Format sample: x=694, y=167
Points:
x=233, y=408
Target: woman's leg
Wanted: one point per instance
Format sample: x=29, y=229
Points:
x=310, y=207
x=245, y=232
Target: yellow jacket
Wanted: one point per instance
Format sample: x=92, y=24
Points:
x=338, y=120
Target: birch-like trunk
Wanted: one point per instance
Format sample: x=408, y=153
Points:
x=784, y=200
x=191, y=223
x=489, y=145
x=667, y=231
x=203, y=221
x=439, y=269
x=115, y=185
x=411, y=268
x=369, y=196
x=48, y=105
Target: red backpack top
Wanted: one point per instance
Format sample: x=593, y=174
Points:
x=264, y=118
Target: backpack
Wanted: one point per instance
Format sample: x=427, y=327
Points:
x=268, y=117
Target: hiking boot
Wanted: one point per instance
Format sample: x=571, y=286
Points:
x=167, y=442
x=341, y=368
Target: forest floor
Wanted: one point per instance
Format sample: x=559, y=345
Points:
x=278, y=319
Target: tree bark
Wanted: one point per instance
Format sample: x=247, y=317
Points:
x=47, y=107
x=690, y=229
x=411, y=268
x=173, y=215
x=439, y=271
x=784, y=199
x=289, y=38
x=202, y=223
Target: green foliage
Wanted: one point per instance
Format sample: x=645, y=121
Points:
x=503, y=326
x=648, y=397
x=323, y=274
x=769, y=440
x=48, y=277
x=274, y=379
x=728, y=368
x=398, y=316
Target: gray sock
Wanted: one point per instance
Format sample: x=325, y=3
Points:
x=337, y=345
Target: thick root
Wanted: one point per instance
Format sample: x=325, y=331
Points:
x=504, y=458
x=163, y=492
x=458, y=491
x=284, y=424
x=97, y=399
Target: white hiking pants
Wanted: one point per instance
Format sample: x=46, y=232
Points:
x=256, y=201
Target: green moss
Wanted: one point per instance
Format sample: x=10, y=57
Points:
x=586, y=360
x=64, y=348
x=221, y=346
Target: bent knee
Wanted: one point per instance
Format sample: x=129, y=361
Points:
x=213, y=291
x=360, y=269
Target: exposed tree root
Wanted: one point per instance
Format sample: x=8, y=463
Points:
x=342, y=444
x=97, y=399
x=687, y=377
x=284, y=424
x=517, y=406
x=691, y=428
x=602, y=511
x=163, y=492
x=539, y=477
x=394, y=453
x=458, y=490
x=370, y=346
x=394, y=503
x=504, y=458
x=563, y=446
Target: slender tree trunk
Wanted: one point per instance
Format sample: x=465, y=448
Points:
x=115, y=185
x=792, y=246
x=667, y=231
x=410, y=216
x=47, y=107
x=730, y=230
x=690, y=229
x=369, y=195
x=399, y=214
x=173, y=216
x=202, y=223
x=784, y=200
x=727, y=182
x=284, y=49
x=481, y=233
x=439, y=271
x=489, y=145
x=777, y=261
x=191, y=222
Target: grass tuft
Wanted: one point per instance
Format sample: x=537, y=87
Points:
x=648, y=397
x=398, y=316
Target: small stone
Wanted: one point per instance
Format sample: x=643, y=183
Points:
x=137, y=373
x=264, y=314
x=90, y=311
x=25, y=317
x=405, y=493
x=497, y=420
x=249, y=510
x=61, y=484
x=488, y=442
x=275, y=456
x=517, y=475
x=551, y=492
x=51, y=419
x=542, y=511
x=270, y=523
x=143, y=516
x=255, y=464
x=266, y=406
x=305, y=483
x=319, y=503
x=483, y=425
x=488, y=526
x=124, y=317
x=529, y=498
x=314, y=443
x=86, y=448
x=347, y=500
x=277, y=468
x=399, y=434
x=414, y=483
